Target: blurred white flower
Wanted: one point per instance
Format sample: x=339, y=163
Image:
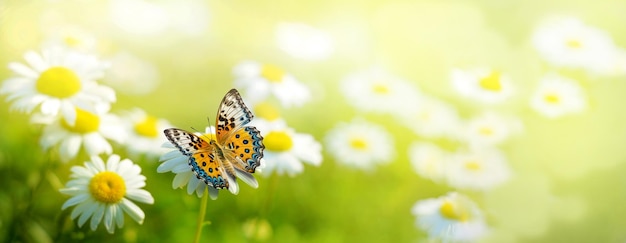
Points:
x=90, y=130
x=102, y=190
x=568, y=42
x=261, y=80
x=478, y=169
x=557, y=96
x=360, y=144
x=428, y=160
x=375, y=90
x=490, y=129
x=303, y=41
x=285, y=150
x=431, y=118
x=145, y=133
x=178, y=164
x=71, y=37
x=58, y=81
x=482, y=84
x=450, y=218
x=130, y=75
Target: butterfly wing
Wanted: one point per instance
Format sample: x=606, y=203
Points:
x=231, y=115
x=243, y=145
x=203, y=160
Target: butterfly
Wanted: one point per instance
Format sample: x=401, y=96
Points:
x=235, y=152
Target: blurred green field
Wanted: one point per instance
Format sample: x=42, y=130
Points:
x=567, y=183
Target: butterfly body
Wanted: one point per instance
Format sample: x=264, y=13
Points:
x=235, y=152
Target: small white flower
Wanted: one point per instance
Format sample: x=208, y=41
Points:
x=102, y=190
x=568, y=42
x=58, y=82
x=428, y=160
x=145, y=133
x=375, y=90
x=303, y=41
x=178, y=164
x=131, y=75
x=452, y=217
x=489, y=129
x=71, y=37
x=259, y=81
x=91, y=131
x=557, y=96
x=360, y=144
x=477, y=169
x=482, y=84
x=285, y=150
x=431, y=118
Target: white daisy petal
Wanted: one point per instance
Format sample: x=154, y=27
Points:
x=97, y=216
x=74, y=200
x=132, y=210
x=140, y=196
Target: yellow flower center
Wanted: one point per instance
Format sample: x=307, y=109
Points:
x=272, y=73
x=358, y=143
x=491, y=82
x=552, y=98
x=473, y=166
x=451, y=211
x=72, y=41
x=574, y=44
x=147, y=127
x=267, y=111
x=487, y=131
x=278, y=141
x=86, y=122
x=59, y=82
x=380, y=88
x=107, y=187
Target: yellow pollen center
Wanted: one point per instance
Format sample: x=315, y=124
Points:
x=487, y=131
x=451, y=211
x=72, y=41
x=358, y=143
x=59, y=82
x=272, y=73
x=473, y=166
x=267, y=111
x=574, y=44
x=379, y=88
x=107, y=187
x=147, y=127
x=491, y=82
x=552, y=98
x=278, y=141
x=86, y=122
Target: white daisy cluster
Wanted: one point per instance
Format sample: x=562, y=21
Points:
x=59, y=88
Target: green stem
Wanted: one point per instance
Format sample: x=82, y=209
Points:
x=203, y=204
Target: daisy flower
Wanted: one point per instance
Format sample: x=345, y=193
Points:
x=265, y=110
x=71, y=37
x=431, y=118
x=360, y=144
x=428, y=160
x=145, y=133
x=303, y=41
x=452, y=217
x=262, y=80
x=131, y=75
x=57, y=81
x=375, y=90
x=557, y=96
x=568, y=42
x=90, y=130
x=482, y=84
x=285, y=150
x=105, y=190
x=177, y=163
x=477, y=169
x=489, y=129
